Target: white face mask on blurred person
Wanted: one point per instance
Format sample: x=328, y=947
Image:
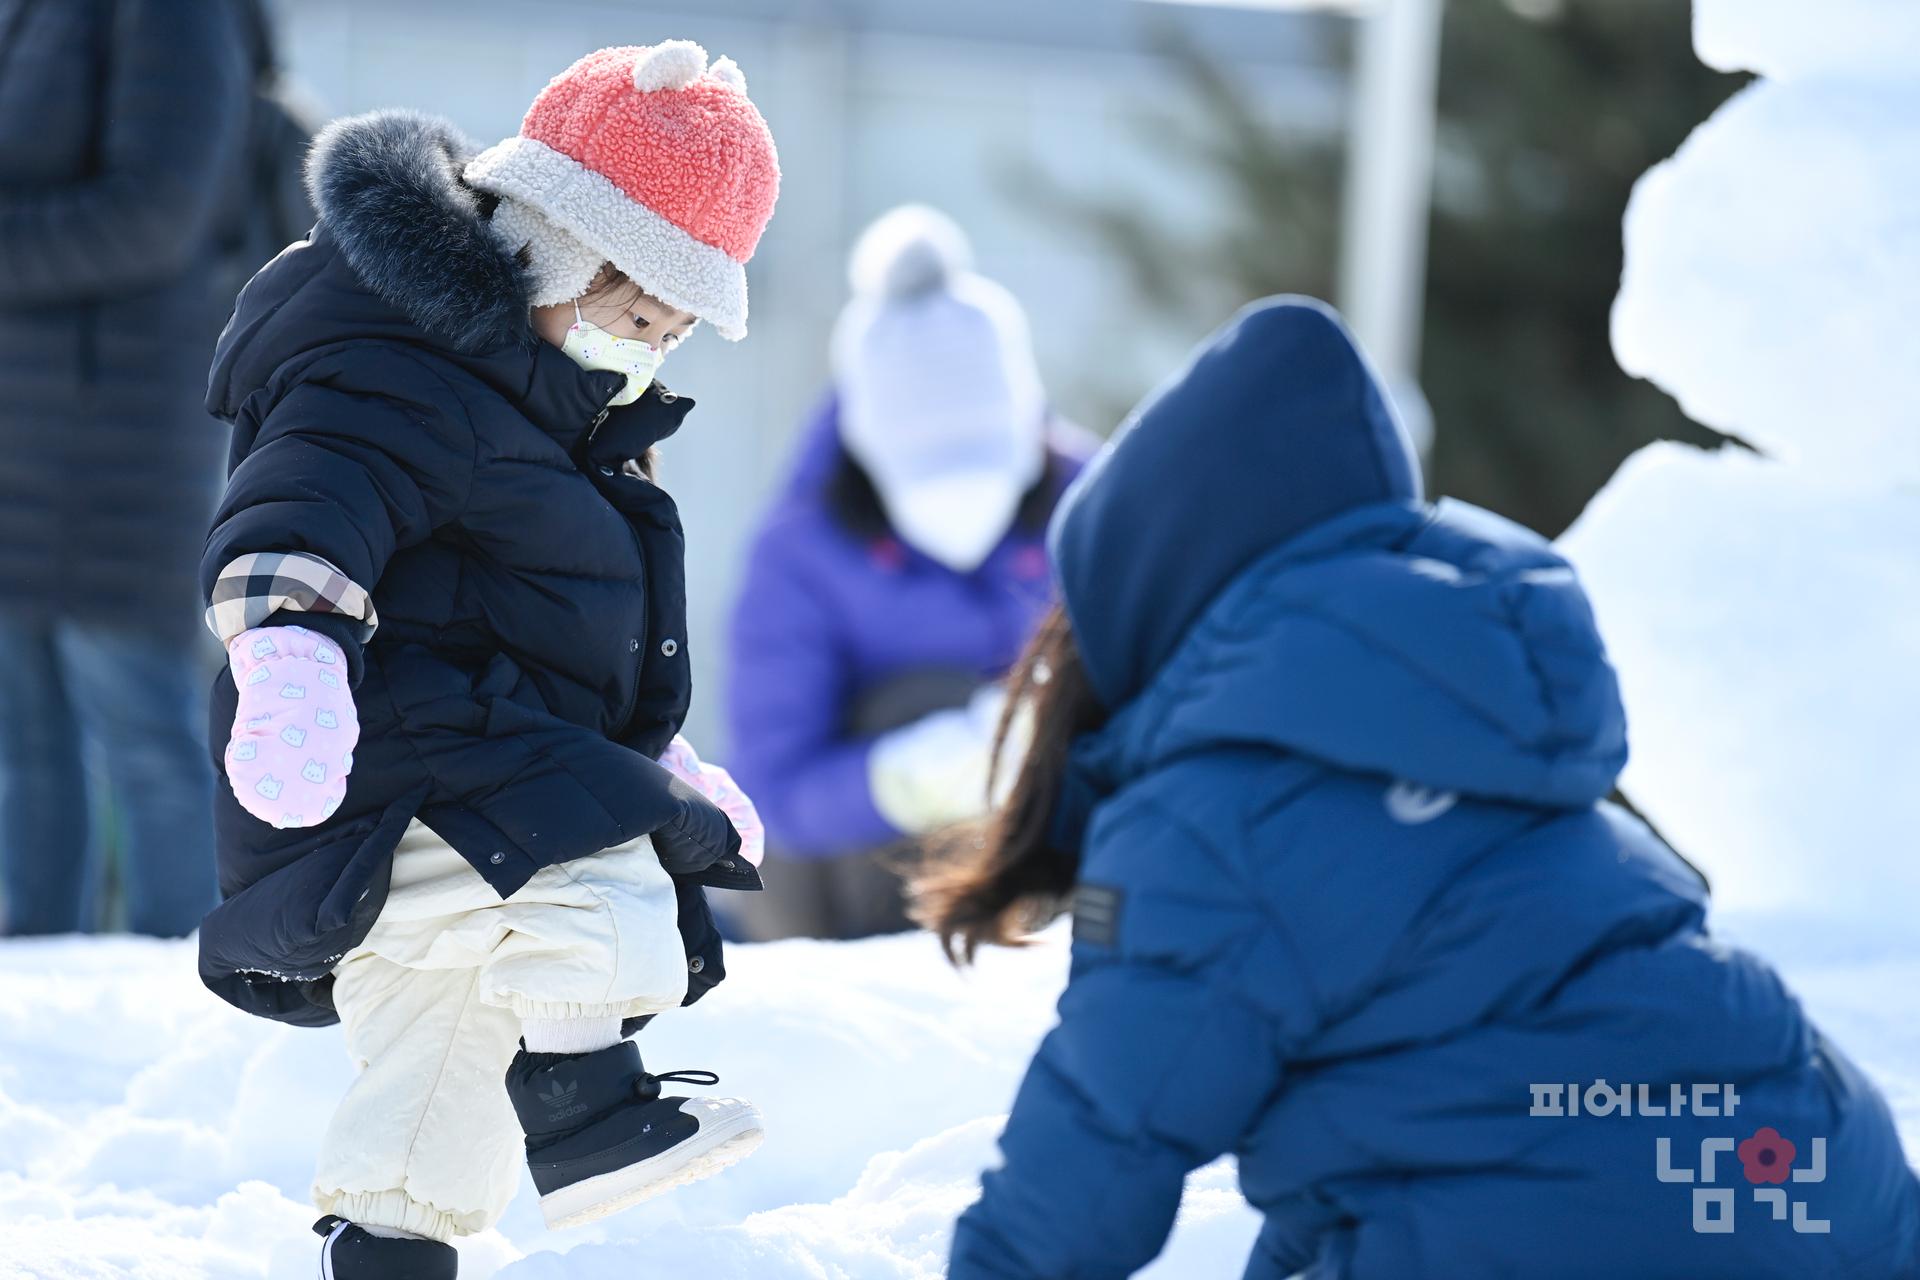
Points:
x=951, y=479
x=956, y=519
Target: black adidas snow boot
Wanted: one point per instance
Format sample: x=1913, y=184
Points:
x=354, y=1253
x=601, y=1138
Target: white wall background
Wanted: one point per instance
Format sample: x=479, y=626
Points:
x=872, y=102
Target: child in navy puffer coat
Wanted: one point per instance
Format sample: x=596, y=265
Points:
x=1322, y=770
x=457, y=816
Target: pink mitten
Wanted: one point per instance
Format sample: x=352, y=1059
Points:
x=295, y=730
x=717, y=785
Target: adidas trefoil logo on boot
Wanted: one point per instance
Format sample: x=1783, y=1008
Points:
x=563, y=1100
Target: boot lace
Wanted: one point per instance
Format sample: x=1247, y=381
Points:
x=648, y=1086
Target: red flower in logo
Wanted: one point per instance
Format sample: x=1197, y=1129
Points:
x=1768, y=1157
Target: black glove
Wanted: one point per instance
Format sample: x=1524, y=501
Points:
x=699, y=841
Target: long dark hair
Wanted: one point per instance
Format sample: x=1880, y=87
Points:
x=999, y=879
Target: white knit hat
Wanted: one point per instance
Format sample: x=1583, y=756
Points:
x=940, y=397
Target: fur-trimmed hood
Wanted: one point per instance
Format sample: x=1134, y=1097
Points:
x=389, y=185
x=403, y=251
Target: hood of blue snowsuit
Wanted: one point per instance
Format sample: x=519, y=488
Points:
x=1439, y=646
x=1349, y=888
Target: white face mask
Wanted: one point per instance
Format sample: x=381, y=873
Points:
x=592, y=347
x=956, y=519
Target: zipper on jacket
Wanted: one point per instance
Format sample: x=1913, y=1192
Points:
x=636, y=645
x=624, y=725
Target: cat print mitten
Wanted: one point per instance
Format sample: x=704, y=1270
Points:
x=296, y=727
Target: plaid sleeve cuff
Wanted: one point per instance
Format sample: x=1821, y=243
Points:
x=260, y=584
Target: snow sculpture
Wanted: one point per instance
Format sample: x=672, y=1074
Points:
x=1765, y=609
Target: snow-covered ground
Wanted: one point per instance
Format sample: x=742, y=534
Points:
x=147, y=1132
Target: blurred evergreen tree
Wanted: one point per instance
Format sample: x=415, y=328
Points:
x=1549, y=111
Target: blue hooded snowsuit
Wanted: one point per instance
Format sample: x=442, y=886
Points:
x=1350, y=889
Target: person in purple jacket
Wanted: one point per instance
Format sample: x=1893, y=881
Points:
x=893, y=583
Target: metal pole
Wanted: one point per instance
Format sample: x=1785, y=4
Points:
x=1383, y=259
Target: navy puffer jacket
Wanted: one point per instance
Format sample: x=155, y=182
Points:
x=1352, y=907
x=396, y=417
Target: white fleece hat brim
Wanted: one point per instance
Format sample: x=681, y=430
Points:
x=651, y=251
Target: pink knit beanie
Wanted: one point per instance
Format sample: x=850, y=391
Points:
x=648, y=158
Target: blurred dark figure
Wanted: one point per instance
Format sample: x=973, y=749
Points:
x=127, y=189
x=270, y=210
x=893, y=584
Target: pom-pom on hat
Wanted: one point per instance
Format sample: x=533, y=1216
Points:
x=648, y=157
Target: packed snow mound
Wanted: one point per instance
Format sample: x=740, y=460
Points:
x=1764, y=612
x=1787, y=39
x=148, y=1132
x=1771, y=271
x=1764, y=625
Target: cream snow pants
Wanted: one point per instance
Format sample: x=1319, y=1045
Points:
x=431, y=1004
